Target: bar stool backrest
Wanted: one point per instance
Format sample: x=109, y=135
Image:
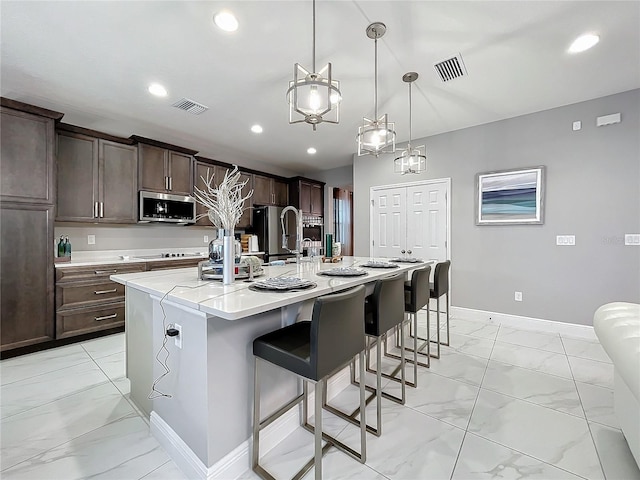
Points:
x=419, y=294
x=441, y=278
x=388, y=303
x=337, y=330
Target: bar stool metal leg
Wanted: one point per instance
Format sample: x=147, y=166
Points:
x=362, y=456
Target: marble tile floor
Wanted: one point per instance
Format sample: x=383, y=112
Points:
x=500, y=403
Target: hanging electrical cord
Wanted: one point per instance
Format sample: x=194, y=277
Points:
x=155, y=393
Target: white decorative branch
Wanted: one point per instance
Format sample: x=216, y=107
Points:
x=224, y=202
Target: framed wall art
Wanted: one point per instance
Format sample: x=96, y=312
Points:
x=510, y=197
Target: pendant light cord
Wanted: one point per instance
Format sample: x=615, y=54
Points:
x=409, y=146
x=314, y=38
x=375, y=81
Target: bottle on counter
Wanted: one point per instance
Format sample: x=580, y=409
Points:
x=67, y=247
x=61, y=247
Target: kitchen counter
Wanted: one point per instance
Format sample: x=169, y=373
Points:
x=104, y=257
x=236, y=301
x=207, y=420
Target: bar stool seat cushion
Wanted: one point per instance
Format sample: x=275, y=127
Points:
x=287, y=347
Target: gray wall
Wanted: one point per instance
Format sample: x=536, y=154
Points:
x=341, y=177
x=592, y=192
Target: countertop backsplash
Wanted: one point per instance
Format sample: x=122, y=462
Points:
x=136, y=237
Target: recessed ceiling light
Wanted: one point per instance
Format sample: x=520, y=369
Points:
x=226, y=21
x=256, y=129
x=584, y=42
x=157, y=90
x=311, y=150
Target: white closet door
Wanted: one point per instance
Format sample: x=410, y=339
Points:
x=389, y=227
x=417, y=243
x=427, y=221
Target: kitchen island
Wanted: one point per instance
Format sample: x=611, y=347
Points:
x=200, y=410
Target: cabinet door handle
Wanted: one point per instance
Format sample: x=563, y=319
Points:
x=101, y=209
x=102, y=272
x=106, y=317
x=102, y=292
x=95, y=209
x=170, y=183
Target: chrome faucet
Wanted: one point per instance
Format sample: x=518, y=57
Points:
x=298, y=248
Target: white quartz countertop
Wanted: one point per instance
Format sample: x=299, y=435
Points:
x=236, y=301
x=103, y=257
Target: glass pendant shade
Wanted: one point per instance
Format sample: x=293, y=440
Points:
x=410, y=160
x=378, y=135
x=314, y=96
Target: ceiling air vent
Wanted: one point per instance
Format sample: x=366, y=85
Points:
x=451, y=68
x=190, y=106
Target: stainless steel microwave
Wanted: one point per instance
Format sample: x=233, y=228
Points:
x=164, y=207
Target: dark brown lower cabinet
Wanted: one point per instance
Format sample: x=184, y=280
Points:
x=27, y=299
x=71, y=323
x=87, y=301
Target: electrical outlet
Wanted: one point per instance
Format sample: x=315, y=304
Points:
x=178, y=338
x=577, y=126
x=91, y=239
x=206, y=239
x=518, y=296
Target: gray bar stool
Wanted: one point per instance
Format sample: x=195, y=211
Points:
x=384, y=310
x=416, y=296
x=439, y=287
x=313, y=350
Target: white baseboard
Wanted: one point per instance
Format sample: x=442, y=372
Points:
x=238, y=461
x=526, y=323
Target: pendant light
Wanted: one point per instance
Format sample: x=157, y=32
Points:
x=376, y=136
x=411, y=160
x=314, y=96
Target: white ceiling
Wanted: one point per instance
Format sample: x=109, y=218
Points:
x=94, y=60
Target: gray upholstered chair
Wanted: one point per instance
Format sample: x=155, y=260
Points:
x=313, y=350
x=384, y=310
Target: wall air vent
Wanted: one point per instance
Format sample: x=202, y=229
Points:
x=451, y=68
x=190, y=106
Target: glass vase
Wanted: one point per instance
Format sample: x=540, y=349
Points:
x=229, y=257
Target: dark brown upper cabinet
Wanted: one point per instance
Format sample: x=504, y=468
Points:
x=201, y=170
x=270, y=191
x=97, y=179
x=27, y=167
x=164, y=168
x=308, y=196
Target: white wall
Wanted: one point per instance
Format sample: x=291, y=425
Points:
x=134, y=237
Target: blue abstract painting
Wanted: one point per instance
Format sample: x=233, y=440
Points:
x=510, y=197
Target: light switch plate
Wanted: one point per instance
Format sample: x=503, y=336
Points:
x=577, y=125
x=91, y=239
x=206, y=239
x=566, y=240
x=632, y=239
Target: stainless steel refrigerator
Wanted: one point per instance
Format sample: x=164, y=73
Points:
x=266, y=225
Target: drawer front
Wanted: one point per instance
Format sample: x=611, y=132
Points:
x=86, y=320
x=170, y=264
x=70, y=274
x=81, y=294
